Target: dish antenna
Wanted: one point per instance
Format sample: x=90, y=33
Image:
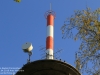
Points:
x=27, y=48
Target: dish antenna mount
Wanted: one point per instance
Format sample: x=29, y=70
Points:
x=27, y=48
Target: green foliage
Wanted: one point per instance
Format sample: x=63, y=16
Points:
x=87, y=25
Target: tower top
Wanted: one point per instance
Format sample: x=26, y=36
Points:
x=50, y=12
x=50, y=7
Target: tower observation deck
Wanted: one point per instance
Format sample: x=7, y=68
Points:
x=48, y=67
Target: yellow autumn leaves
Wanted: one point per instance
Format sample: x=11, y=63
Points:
x=84, y=25
x=17, y=0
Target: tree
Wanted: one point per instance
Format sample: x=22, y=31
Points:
x=87, y=25
x=17, y=0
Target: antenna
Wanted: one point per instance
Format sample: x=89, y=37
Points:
x=56, y=53
x=50, y=7
x=50, y=16
x=43, y=49
x=27, y=48
x=59, y=50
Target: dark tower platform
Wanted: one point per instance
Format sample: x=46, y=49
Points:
x=48, y=67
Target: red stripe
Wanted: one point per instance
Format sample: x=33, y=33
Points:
x=49, y=42
x=50, y=19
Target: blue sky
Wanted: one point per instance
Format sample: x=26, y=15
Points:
x=25, y=22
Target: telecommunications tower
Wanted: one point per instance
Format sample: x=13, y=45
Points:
x=48, y=66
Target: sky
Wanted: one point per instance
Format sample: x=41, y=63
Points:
x=25, y=22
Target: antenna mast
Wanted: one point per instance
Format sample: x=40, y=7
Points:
x=50, y=7
x=50, y=16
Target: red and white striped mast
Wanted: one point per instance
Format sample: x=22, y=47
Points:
x=50, y=15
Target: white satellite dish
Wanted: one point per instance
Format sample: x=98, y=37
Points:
x=27, y=47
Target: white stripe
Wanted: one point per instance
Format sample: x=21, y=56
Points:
x=49, y=51
x=49, y=54
x=50, y=30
